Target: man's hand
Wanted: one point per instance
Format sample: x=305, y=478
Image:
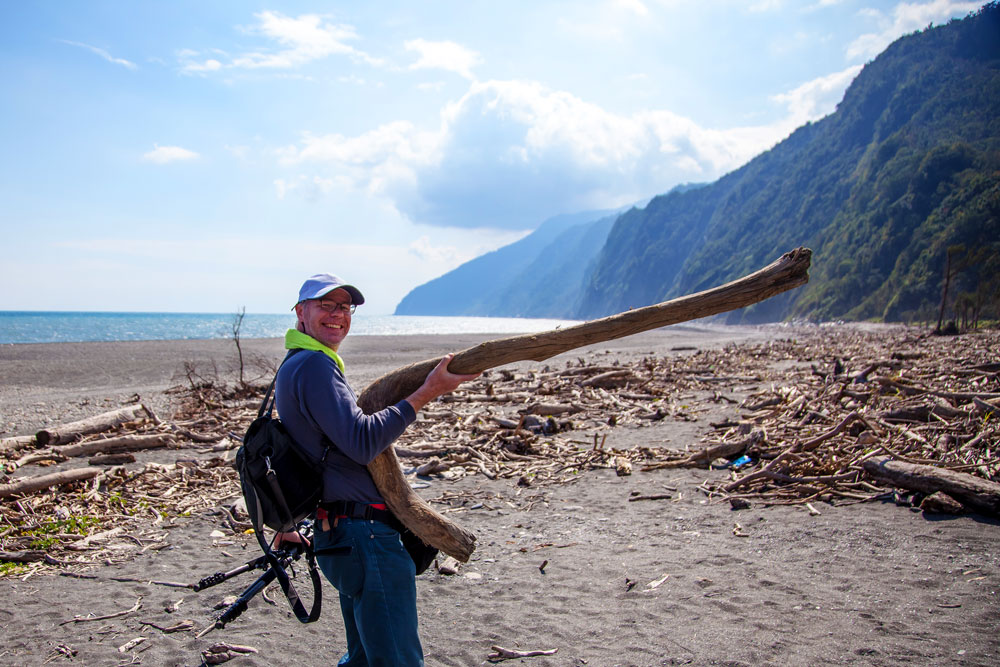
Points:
x=292, y=537
x=440, y=381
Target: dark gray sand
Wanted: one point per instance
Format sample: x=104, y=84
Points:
x=660, y=582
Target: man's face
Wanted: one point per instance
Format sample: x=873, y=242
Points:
x=325, y=319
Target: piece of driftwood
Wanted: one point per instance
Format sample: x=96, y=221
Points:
x=59, y=435
x=111, y=459
x=550, y=409
x=501, y=653
x=973, y=492
x=39, y=482
x=179, y=626
x=787, y=272
x=704, y=457
x=617, y=378
x=88, y=619
x=941, y=503
x=652, y=496
x=23, y=556
x=216, y=654
x=16, y=443
x=125, y=443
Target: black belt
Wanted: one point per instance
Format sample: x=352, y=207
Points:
x=354, y=510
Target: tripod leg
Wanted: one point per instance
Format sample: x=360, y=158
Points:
x=240, y=606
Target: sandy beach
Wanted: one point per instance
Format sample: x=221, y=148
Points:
x=574, y=567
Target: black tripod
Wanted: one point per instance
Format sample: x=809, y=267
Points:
x=274, y=563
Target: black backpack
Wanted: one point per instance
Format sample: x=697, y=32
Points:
x=281, y=486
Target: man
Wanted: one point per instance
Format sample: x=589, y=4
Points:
x=358, y=551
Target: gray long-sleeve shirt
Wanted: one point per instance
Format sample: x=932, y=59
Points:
x=313, y=399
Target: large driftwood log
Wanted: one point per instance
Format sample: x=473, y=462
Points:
x=32, y=484
x=59, y=435
x=973, y=492
x=787, y=272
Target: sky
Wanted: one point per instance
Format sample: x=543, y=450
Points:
x=192, y=156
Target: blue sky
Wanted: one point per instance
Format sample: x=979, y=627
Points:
x=205, y=156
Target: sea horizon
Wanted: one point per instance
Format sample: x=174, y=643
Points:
x=35, y=326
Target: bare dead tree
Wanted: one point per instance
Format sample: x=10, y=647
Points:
x=951, y=269
x=237, y=325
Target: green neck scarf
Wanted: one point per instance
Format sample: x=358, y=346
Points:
x=296, y=340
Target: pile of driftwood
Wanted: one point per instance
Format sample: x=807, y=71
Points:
x=852, y=416
x=844, y=414
x=96, y=504
x=547, y=425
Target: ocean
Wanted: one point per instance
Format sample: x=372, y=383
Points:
x=78, y=327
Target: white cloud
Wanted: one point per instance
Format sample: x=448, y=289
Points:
x=210, y=65
x=448, y=56
x=509, y=154
x=906, y=18
x=374, y=161
x=102, y=53
x=300, y=40
x=165, y=154
x=817, y=98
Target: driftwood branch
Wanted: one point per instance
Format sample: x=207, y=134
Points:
x=789, y=271
x=87, y=619
x=125, y=443
x=501, y=653
x=59, y=435
x=119, y=445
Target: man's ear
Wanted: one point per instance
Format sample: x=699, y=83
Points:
x=299, y=324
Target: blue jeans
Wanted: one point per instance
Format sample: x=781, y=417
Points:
x=378, y=592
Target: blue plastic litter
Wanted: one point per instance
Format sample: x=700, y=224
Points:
x=740, y=462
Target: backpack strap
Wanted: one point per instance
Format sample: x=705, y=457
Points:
x=294, y=601
x=267, y=403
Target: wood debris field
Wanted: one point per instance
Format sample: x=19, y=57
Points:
x=844, y=414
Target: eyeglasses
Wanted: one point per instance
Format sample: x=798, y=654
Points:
x=333, y=306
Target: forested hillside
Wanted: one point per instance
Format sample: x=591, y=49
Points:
x=904, y=169
x=899, y=184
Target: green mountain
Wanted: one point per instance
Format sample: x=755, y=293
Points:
x=900, y=182
x=906, y=167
